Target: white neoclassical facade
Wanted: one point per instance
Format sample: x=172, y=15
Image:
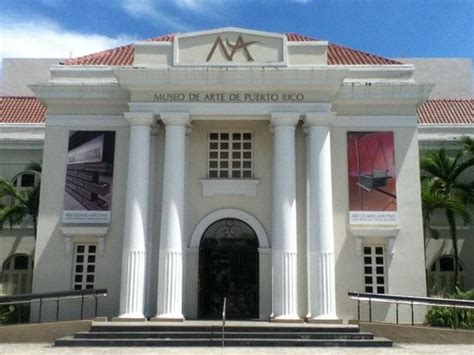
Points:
x=274, y=170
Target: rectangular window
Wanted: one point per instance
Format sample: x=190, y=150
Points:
x=230, y=155
x=84, y=266
x=374, y=269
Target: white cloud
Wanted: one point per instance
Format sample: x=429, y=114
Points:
x=201, y=6
x=45, y=39
x=176, y=13
x=150, y=10
x=188, y=4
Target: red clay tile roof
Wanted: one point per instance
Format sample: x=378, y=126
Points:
x=446, y=112
x=337, y=55
x=340, y=55
x=296, y=37
x=21, y=109
x=115, y=56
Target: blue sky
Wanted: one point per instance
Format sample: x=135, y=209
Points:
x=391, y=28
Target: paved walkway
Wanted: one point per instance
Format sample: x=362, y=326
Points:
x=398, y=349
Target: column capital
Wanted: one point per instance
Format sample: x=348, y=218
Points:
x=140, y=118
x=176, y=118
x=318, y=118
x=284, y=118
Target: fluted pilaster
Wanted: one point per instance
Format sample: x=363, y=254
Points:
x=320, y=229
x=284, y=251
x=132, y=292
x=170, y=279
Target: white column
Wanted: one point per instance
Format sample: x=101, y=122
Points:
x=170, y=269
x=320, y=229
x=132, y=291
x=284, y=217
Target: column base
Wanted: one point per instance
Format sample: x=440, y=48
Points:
x=129, y=318
x=286, y=319
x=317, y=320
x=168, y=318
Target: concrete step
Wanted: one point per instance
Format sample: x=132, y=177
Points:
x=218, y=335
x=205, y=334
x=186, y=342
x=202, y=328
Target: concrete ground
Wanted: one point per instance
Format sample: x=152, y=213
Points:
x=42, y=348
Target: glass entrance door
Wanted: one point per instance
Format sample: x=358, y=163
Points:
x=228, y=267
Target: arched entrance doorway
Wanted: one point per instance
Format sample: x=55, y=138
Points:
x=229, y=267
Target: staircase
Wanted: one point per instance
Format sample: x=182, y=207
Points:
x=200, y=333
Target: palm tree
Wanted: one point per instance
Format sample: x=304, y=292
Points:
x=21, y=206
x=468, y=145
x=444, y=180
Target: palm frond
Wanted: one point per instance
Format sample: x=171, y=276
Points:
x=32, y=201
x=434, y=233
x=8, y=190
x=468, y=144
x=35, y=166
x=17, y=207
x=13, y=215
x=462, y=167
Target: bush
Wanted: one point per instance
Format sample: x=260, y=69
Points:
x=13, y=314
x=448, y=317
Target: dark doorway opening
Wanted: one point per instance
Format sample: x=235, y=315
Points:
x=228, y=267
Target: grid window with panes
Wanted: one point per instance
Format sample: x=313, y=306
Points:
x=374, y=269
x=230, y=155
x=84, y=266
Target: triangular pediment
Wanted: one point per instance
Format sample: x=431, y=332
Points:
x=230, y=46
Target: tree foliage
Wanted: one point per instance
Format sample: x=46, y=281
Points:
x=18, y=207
x=448, y=186
x=452, y=318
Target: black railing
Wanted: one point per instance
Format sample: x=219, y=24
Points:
x=407, y=300
x=40, y=298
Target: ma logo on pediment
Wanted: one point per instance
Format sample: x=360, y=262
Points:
x=229, y=47
x=228, y=50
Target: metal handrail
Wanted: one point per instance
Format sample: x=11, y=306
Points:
x=55, y=296
x=408, y=300
x=223, y=319
x=422, y=301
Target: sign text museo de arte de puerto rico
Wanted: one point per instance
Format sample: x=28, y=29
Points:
x=229, y=97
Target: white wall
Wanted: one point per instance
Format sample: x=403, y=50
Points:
x=53, y=263
x=14, y=161
x=452, y=76
x=405, y=268
x=18, y=73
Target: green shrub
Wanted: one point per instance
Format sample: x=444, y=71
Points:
x=450, y=318
x=13, y=314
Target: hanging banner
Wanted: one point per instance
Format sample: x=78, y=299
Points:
x=372, y=178
x=90, y=164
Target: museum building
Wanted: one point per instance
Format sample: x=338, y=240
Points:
x=276, y=170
